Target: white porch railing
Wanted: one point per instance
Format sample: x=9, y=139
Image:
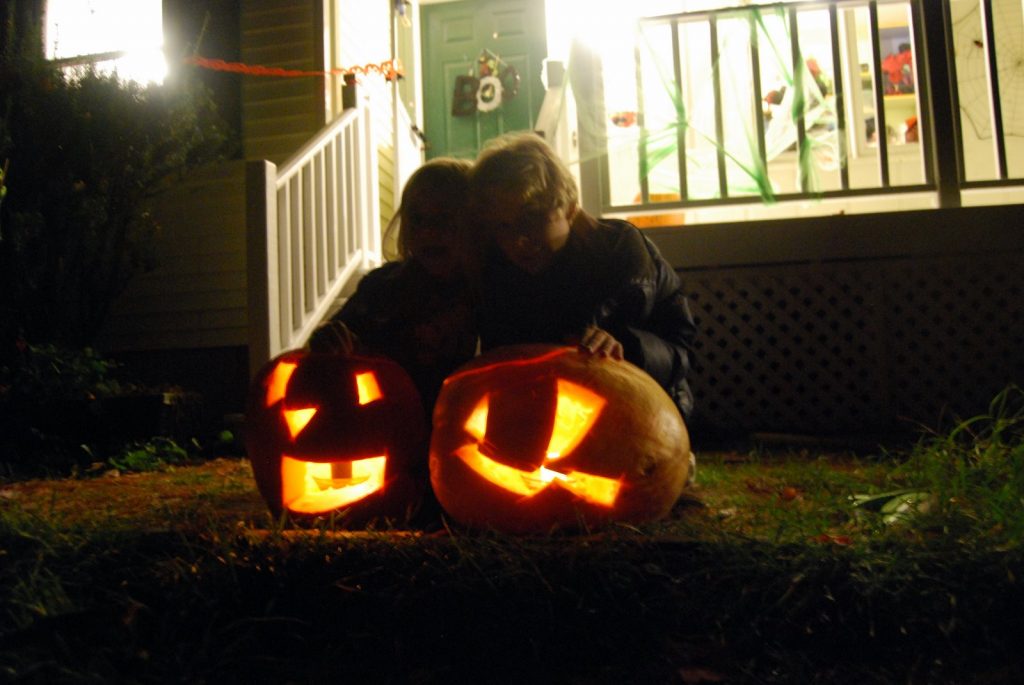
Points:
x=313, y=230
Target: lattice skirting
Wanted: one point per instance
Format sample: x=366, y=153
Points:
x=854, y=347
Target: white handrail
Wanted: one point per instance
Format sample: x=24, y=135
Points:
x=313, y=229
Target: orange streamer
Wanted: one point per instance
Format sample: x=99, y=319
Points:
x=388, y=69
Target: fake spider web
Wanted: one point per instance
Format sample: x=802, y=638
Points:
x=972, y=68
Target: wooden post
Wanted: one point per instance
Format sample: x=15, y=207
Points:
x=348, y=92
x=942, y=100
x=261, y=263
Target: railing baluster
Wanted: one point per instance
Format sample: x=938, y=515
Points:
x=320, y=212
x=284, y=214
x=357, y=191
x=331, y=202
x=641, y=122
x=758, y=112
x=344, y=198
x=881, y=128
x=296, y=288
x=350, y=187
x=943, y=106
x=801, y=94
x=370, y=162
x=837, y=87
x=993, y=80
x=369, y=175
x=682, y=114
x=716, y=80
x=308, y=241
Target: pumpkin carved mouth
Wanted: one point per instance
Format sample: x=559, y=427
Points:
x=575, y=413
x=588, y=487
x=315, y=487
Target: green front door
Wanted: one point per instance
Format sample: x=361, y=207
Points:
x=455, y=35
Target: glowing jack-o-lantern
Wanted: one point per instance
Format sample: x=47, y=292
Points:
x=531, y=437
x=327, y=432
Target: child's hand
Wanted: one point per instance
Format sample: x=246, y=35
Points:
x=599, y=341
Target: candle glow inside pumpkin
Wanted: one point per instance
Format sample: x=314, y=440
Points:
x=314, y=487
x=576, y=410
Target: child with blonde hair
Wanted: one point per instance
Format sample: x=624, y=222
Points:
x=549, y=272
x=416, y=309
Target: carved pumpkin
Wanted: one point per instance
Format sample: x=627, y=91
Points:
x=327, y=432
x=531, y=437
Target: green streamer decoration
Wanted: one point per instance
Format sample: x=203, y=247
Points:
x=729, y=142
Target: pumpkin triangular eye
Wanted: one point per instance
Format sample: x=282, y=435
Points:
x=297, y=419
x=368, y=388
x=277, y=384
x=575, y=413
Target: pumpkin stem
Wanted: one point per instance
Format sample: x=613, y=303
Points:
x=333, y=337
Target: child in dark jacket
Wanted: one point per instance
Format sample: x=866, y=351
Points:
x=549, y=272
x=417, y=309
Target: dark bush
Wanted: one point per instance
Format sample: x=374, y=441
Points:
x=53, y=414
x=83, y=156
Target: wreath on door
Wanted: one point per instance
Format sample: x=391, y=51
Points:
x=485, y=89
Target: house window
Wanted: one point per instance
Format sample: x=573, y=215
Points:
x=113, y=36
x=739, y=102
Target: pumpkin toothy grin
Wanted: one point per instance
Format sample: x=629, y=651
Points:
x=314, y=487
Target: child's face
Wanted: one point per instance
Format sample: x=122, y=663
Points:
x=432, y=227
x=529, y=239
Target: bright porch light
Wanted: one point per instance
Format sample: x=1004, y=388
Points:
x=89, y=28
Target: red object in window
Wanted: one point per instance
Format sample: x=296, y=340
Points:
x=624, y=119
x=900, y=70
x=912, y=134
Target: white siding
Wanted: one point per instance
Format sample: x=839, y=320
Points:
x=196, y=296
x=280, y=114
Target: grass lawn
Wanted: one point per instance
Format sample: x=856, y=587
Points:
x=180, y=575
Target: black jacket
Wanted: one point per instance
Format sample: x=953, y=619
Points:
x=426, y=325
x=609, y=275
